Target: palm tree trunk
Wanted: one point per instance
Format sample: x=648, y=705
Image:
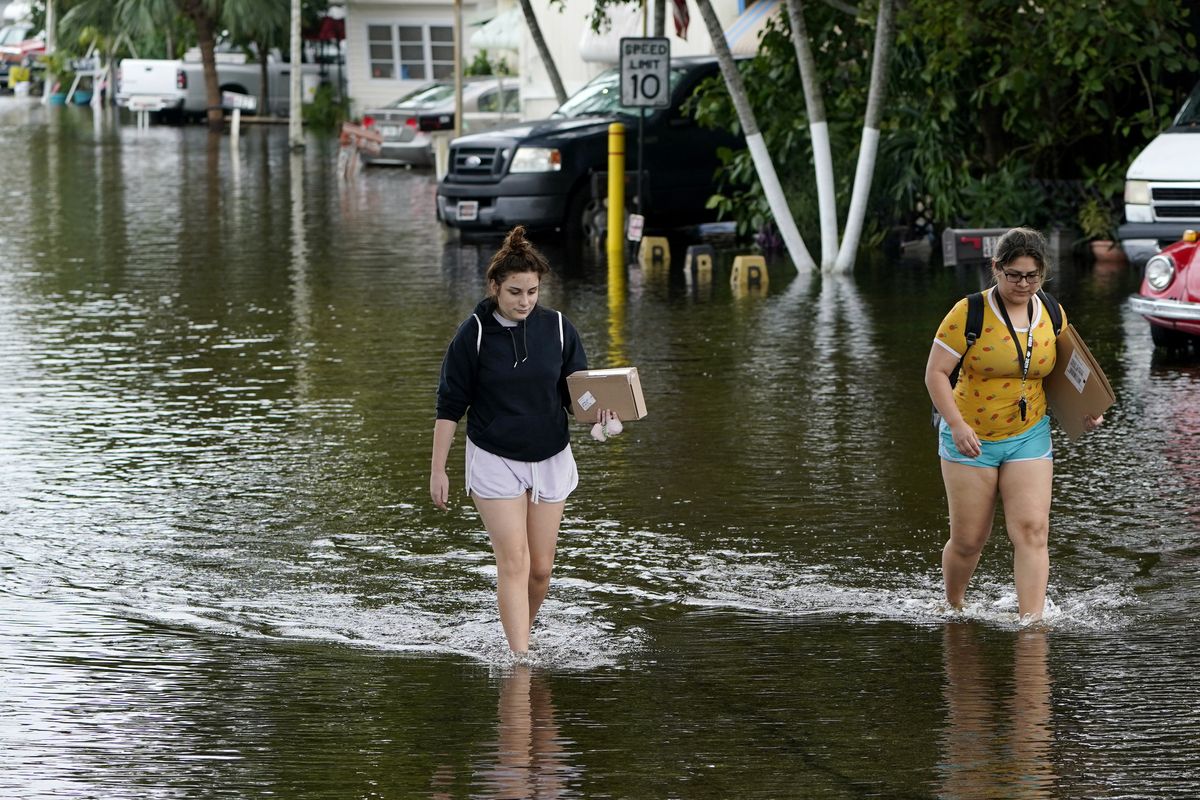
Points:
x=763, y=166
x=264, y=77
x=205, y=22
x=535, y=31
x=818, y=129
x=869, y=146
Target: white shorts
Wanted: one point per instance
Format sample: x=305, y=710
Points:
x=493, y=477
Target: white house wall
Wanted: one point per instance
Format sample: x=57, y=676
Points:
x=366, y=91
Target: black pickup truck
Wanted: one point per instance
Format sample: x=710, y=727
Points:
x=541, y=174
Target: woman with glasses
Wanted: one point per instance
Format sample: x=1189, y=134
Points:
x=508, y=364
x=994, y=437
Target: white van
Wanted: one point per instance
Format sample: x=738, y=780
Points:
x=1162, y=187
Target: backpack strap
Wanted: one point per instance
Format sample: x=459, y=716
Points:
x=974, y=328
x=974, y=318
x=1053, y=308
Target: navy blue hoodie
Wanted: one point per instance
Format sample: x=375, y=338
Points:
x=513, y=380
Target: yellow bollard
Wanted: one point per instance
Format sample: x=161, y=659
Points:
x=616, y=194
x=749, y=273
x=655, y=252
x=698, y=264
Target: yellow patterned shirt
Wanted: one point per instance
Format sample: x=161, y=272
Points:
x=989, y=385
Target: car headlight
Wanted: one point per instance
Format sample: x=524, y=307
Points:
x=1137, y=192
x=536, y=159
x=1160, y=271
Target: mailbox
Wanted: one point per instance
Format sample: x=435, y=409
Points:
x=970, y=245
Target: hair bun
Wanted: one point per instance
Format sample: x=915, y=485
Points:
x=516, y=254
x=515, y=240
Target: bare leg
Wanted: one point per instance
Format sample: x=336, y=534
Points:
x=1025, y=488
x=543, y=521
x=505, y=521
x=971, y=496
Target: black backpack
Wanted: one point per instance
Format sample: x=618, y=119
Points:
x=975, y=327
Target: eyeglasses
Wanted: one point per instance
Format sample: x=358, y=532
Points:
x=1031, y=278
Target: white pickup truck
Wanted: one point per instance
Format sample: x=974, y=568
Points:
x=1162, y=187
x=160, y=84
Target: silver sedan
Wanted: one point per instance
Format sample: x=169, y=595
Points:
x=409, y=124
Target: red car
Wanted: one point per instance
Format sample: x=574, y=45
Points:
x=1170, y=295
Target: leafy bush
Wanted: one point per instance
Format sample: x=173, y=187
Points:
x=326, y=111
x=981, y=125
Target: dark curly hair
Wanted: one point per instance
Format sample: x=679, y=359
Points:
x=516, y=255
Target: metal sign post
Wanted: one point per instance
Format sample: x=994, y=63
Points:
x=645, y=83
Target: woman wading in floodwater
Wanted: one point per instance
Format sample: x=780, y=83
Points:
x=995, y=435
x=507, y=368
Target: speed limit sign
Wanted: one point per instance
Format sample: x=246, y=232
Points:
x=645, y=72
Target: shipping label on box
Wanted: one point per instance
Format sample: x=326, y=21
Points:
x=1077, y=388
x=618, y=389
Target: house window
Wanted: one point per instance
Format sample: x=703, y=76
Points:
x=379, y=51
x=411, y=52
x=441, y=51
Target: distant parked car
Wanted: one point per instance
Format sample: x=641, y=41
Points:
x=407, y=123
x=1162, y=186
x=540, y=174
x=1170, y=295
x=18, y=44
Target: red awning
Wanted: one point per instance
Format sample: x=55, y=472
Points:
x=327, y=29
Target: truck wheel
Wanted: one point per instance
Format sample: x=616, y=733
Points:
x=587, y=217
x=1168, y=338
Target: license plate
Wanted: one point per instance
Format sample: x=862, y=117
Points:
x=468, y=210
x=389, y=130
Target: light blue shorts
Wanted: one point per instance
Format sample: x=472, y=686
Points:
x=1032, y=445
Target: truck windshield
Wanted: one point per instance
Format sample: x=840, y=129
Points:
x=1189, y=115
x=603, y=96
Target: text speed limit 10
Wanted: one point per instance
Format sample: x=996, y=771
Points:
x=645, y=73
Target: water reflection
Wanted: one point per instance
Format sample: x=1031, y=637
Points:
x=998, y=736
x=529, y=758
x=617, y=287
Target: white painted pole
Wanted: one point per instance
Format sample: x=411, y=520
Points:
x=235, y=130
x=458, y=70
x=295, y=109
x=51, y=27
x=47, y=88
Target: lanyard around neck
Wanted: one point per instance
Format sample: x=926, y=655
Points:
x=1021, y=358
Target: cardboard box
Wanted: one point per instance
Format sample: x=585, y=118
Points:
x=618, y=389
x=1078, y=387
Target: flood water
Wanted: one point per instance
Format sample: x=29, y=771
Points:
x=221, y=575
